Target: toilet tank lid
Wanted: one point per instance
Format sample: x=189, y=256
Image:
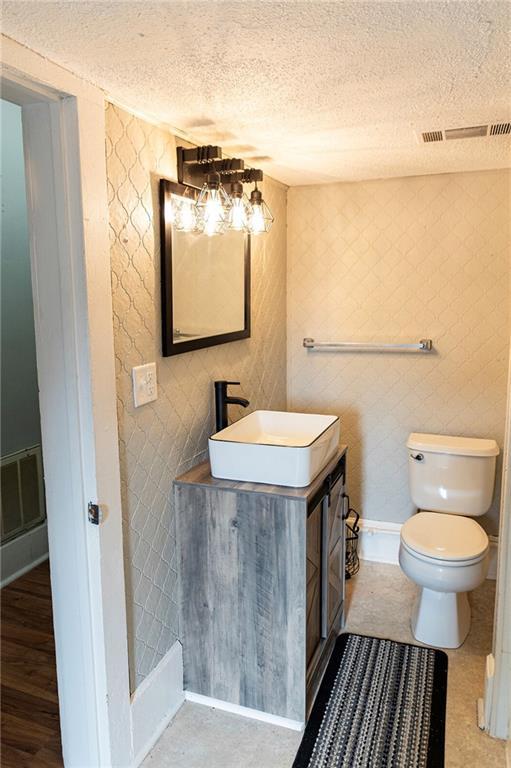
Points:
x=461, y=446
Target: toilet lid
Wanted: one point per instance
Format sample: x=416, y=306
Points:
x=444, y=537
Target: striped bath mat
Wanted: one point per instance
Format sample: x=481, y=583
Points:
x=381, y=704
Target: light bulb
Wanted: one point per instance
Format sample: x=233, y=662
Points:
x=213, y=214
x=256, y=220
x=260, y=218
x=240, y=211
x=171, y=208
x=238, y=216
x=187, y=217
x=213, y=206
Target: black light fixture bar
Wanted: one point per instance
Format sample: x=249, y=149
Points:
x=202, y=154
x=230, y=165
x=195, y=163
x=195, y=157
x=248, y=176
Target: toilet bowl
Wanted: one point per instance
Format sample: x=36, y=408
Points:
x=442, y=549
x=447, y=557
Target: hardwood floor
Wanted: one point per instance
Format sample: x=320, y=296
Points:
x=30, y=733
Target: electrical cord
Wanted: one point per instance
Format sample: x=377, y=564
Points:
x=352, y=563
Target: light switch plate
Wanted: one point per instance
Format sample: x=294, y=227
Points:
x=145, y=386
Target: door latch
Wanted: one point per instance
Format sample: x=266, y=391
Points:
x=94, y=513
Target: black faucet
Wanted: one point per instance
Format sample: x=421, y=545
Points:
x=222, y=400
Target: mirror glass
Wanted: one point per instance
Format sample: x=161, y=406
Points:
x=205, y=285
x=208, y=291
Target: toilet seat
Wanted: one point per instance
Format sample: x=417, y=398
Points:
x=448, y=539
x=443, y=562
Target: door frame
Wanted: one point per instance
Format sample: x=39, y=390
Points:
x=497, y=695
x=64, y=143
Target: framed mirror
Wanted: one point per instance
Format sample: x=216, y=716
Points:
x=205, y=282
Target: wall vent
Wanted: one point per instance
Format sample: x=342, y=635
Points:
x=429, y=136
x=500, y=129
x=21, y=492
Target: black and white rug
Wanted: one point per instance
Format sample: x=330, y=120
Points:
x=381, y=704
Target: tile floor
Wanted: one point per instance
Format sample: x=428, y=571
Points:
x=379, y=602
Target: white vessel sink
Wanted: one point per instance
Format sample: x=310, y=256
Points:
x=274, y=447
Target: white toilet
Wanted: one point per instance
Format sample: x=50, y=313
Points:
x=443, y=550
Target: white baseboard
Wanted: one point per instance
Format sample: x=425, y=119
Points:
x=489, y=680
x=379, y=543
x=23, y=553
x=237, y=709
x=156, y=701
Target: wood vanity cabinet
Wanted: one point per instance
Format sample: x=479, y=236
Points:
x=261, y=587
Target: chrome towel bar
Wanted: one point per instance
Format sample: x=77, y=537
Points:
x=424, y=345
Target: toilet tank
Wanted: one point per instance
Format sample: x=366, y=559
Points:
x=451, y=474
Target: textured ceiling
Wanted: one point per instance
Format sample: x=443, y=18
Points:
x=314, y=91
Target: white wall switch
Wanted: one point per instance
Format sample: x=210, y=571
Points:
x=145, y=386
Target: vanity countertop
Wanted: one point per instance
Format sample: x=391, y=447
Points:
x=201, y=475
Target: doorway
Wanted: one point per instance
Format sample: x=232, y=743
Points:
x=68, y=241
x=24, y=541
x=29, y=704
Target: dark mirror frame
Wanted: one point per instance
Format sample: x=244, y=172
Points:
x=167, y=188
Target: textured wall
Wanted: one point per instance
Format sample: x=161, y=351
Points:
x=162, y=439
x=401, y=259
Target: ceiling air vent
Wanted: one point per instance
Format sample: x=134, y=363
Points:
x=500, y=129
x=466, y=133
x=429, y=136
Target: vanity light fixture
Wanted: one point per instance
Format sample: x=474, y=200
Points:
x=204, y=170
x=260, y=218
x=213, y=206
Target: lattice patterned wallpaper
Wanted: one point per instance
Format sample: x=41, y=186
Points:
x=163, y=439
x=393, y=260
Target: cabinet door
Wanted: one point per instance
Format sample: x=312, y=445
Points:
x=313, y=581
x=335, y=551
